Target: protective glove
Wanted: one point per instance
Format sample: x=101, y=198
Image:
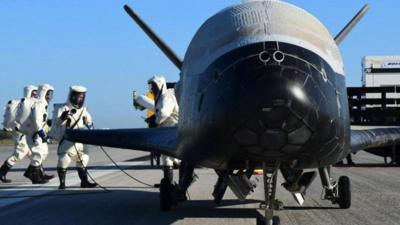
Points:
x=88, y=124
x=5, y=129
x=49, y=123
x=43, y=136
x=151, y=121
x=64, y=115
x=137, y=106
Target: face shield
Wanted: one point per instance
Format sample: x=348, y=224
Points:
x=49, y=95
x=154, y=88
x=34, y=94
x=77, y=99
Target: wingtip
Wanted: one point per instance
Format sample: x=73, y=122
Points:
x=127, y=8
x=366, y=7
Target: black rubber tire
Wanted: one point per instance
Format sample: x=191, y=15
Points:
x=397, y=161
x=344, y=192
x=261, y=220
x=165, y=195
x=276, y=220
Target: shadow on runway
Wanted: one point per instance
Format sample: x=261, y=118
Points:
x=368, y=165
x=123, y=206
x=69, y=188
x=309, y=207
x=110, y=167
x=116, y=207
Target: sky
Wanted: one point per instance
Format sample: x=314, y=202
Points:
x=96, y=44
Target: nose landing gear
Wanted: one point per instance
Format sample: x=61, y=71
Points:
x=270, y=174
x=337, y=192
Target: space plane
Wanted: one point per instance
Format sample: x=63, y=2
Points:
x=262, y=85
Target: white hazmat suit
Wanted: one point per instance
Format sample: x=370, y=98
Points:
x=31, y=120
x=21, y=148
x=166, y=109
x=77, y=118
x=73, y=115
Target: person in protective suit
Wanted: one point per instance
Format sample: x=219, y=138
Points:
x=143, y=102
x=166, y=115
x=21, y=148
x=73, y=115
x=37, y=139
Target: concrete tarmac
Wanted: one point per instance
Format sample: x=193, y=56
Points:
x=375, y=196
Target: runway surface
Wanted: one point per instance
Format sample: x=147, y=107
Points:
x=375, y=196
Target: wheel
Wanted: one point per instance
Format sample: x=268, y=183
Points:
x=165, y=195
x=397, y=160
x=260, y=221
x=275, y=220
x=344, y=192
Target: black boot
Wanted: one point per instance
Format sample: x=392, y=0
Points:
x=221, y=186
x=3, y=172
x=169, y=174
x=186, y=177
x=28, y=172
x=167, y=189
x=61, y=175
x=82, y=172
x=46, y=176
x=37, y=177
x=349, y=160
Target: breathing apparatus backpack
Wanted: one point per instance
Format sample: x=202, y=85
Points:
x=10, y=114
x=24, y=110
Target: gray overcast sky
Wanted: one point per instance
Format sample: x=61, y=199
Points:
x=94, y=43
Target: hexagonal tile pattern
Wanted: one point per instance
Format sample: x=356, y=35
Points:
x=276, y=117
x=273, y=139
x=299, y=136
x=311, y=119
x=255, y=149
x=255, y=125
x=291, y=149
x=246, y=137
x=292, y=123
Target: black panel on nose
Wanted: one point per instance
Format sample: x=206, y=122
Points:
x=289, y=107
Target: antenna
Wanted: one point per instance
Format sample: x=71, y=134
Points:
x=350, y=25
x=154, y=37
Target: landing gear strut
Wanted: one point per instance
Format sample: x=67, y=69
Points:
x=270, y=174
x=166, y=188
x=337, y=192
x=166, y=201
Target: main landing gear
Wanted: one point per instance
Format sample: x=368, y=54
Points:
x=166, y=198
x=337, y=192
x=270, y=174
x=170, y=192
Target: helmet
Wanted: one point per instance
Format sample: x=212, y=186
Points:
x=157, y=85
x=76, y=96
x=46, y=92
x=30, y=91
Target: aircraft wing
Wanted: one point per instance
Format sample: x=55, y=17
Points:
x=160, y=140
x=372, y=138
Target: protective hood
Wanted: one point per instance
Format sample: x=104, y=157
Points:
x=158, y=85
x=76, y=96
x=28, y=90
x=46, y=92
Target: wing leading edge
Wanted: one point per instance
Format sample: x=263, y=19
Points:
x=372, y=138
x=160, y=140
